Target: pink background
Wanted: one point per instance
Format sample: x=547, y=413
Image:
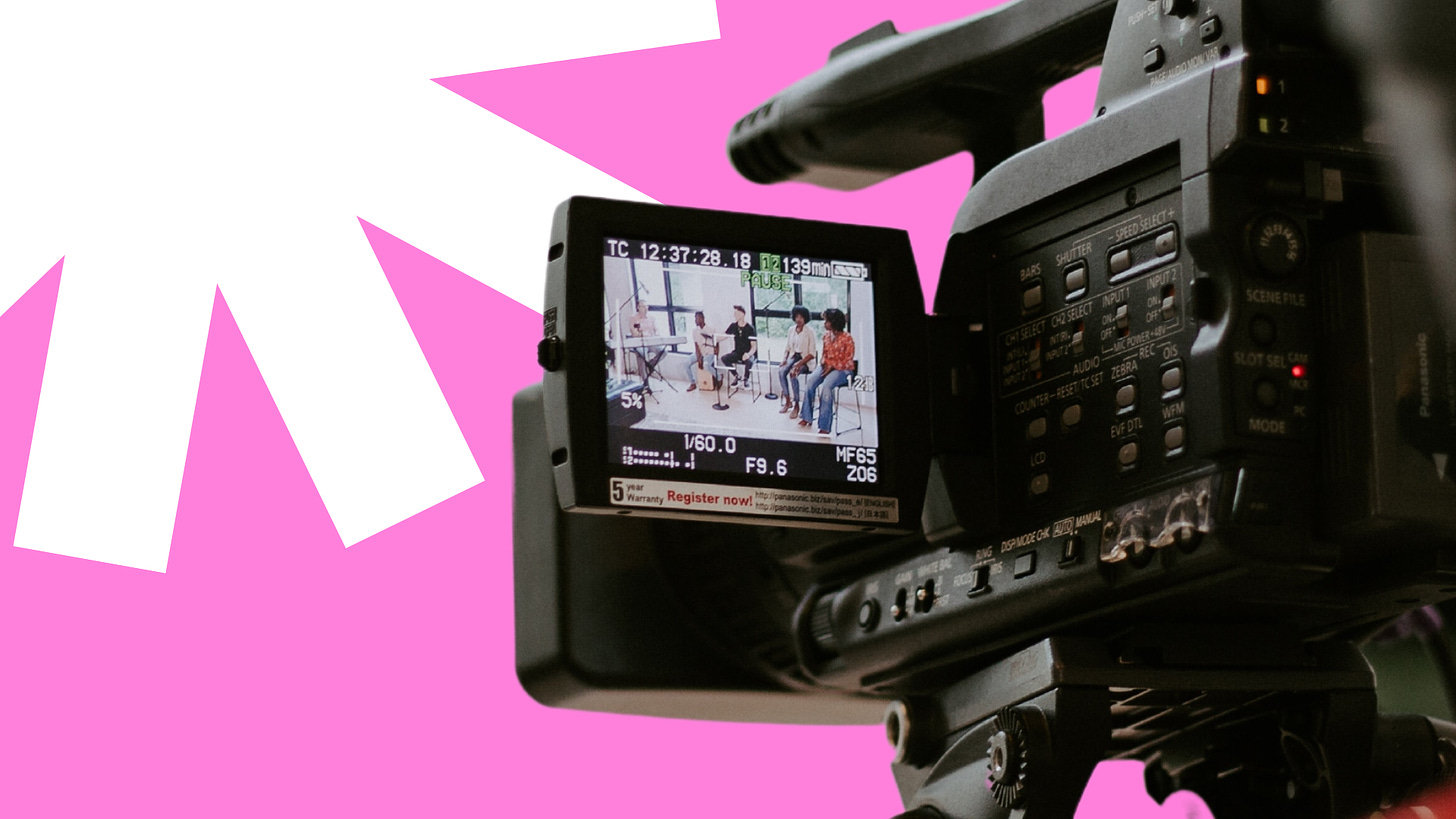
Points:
x=271, y=672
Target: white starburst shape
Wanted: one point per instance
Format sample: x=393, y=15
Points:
x=166, y=149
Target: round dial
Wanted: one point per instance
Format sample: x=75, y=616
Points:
x=1277, y=245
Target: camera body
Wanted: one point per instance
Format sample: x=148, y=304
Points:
x=1168, y=337
x=1180, y=373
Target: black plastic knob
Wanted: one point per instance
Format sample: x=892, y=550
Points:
x=821, y=625
x=549, y=353
x=1178, y=8
x=869, y=614
x=1267, y=395
x=1263, y=331
x=1277, y=245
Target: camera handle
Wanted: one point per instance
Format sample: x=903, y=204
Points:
x=1250, y=719
x=887, y=102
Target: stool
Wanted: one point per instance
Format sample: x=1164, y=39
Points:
x=840, y=406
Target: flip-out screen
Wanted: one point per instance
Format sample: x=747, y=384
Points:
x=740, y=365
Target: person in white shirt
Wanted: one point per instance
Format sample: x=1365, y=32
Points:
x=705, y=351
x=643, y=325
x=799, y=355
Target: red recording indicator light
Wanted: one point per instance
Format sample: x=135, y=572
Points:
x=1297, y=371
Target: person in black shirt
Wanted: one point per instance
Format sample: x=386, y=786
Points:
x=745, y=341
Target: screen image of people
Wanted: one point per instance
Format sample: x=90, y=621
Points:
x=729, y=348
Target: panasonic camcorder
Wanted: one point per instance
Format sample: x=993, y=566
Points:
x=1187, y=392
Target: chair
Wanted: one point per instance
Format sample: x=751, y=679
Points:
x=720, y=379
x=757, y=372
x=744, y=377
x=840, y=406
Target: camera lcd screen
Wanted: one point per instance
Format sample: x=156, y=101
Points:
x=742, y=361
x=728, y=366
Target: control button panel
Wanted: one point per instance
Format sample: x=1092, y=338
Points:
x=1071, y=551
x=1273, y=306
x=1266, y=394
x=1127, y=455
x=1071, y=417
x=1166, y=242
x=1031, y=299
x=1148, y=251
x=1074, y=276
x=980, y=581
x=1171, y=380
x=1025, y=565
x=1153, y=59
x=1175, y=437
x=1263, y=331
x=1126, y=397
x=1210, y=30
x=1036, y=428
x=1092, y=362
x=1120, y=262
x=1040, y=485
x=927, y=593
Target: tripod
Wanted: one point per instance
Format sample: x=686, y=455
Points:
x=1253, y=721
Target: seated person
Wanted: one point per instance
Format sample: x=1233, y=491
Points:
x=836, y=365
x=643, y=325
x=705, y=351
x=745, y=341
x=798, y=357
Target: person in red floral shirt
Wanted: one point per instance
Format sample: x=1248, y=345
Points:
x=836, y=365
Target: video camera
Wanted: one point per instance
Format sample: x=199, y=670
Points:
x=1175, y=431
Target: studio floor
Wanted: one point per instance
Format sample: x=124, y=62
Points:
x=677, y=410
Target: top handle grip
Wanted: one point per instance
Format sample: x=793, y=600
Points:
x=888, y=102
